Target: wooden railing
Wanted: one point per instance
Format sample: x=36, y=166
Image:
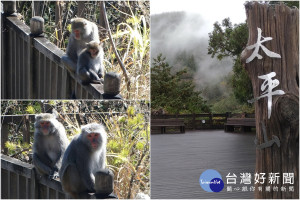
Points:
x=203, y=121
x=32, y=67
x=18, y=181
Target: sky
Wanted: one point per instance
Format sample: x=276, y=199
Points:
x=210, y=10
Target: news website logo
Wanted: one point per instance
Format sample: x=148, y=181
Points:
x=211, y=181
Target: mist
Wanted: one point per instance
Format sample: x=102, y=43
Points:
x=177, y=32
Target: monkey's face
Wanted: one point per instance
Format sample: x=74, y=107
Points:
x=45, y=127
x=94, y=52
x=78, y=26
x=94, y=139
x=77, y=34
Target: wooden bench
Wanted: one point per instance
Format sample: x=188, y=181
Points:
x=163, y=123
x=244, y=124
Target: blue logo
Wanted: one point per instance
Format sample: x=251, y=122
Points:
x=211, y=181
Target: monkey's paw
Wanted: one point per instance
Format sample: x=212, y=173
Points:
x=55, y=175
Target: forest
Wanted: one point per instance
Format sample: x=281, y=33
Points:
x=207, y=65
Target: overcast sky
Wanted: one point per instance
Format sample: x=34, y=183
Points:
x=210, y=10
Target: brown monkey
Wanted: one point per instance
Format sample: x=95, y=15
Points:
x=90, y=63
x=83, y=158
x=50, y=143
x=83, y=31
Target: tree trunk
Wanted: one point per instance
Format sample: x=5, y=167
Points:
x=38, y=8
x=80, y=9
x=282, y=24
x=58, y=22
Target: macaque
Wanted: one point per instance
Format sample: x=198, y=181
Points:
x=89, y=66
x=84, y=157
x=83, y=31
x=50, y=143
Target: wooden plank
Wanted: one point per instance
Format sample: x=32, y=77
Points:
x=4, y=63
x=35, y=73
x=13, y=185
x=4, y=184
x=19, y=27
x=18, y=185
x=47, y=79
x=27, y=188
x=224, y=152
x=42, y=191
x=56, y=194
x=22, y=70
x=59, y=82
x=52, y=193
x=18, y=71
x=8, y=182
x=48, y=49
x=51, y=183
x=64, y=91
x=47, y=192
x=53, y=80
x=12, y=78
x=29, y=70
x=16, y=166
x=33, y=185
x=15, y=74
x=42, y=76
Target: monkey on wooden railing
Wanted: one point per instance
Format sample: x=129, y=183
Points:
x=89, y=66
x=83, y=166
x=50, y=143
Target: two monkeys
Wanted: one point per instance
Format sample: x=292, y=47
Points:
x=77, y=162
x=85, y=52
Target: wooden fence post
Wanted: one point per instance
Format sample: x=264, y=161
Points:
x=280, y=117
x=194, y=121
x=9, y=7
x=36, y=29
x=211, y=120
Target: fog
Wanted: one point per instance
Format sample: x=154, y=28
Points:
x=176, y=32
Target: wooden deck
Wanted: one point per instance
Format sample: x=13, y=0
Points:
x=178, y=160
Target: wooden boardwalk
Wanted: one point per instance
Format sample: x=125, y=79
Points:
x=177, y=161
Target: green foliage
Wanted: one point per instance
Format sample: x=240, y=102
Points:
x=34, y=108
x=231, y=104
x=128, y=148
x=186, y=60
x=240, y=81
x=227, y=40
x=172, y=93
x=290, y=4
